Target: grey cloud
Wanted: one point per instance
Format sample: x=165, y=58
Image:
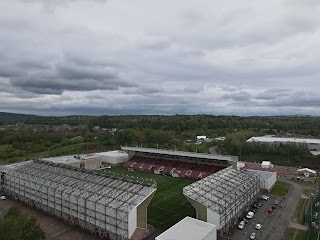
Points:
x=239, y=96
x=38, y=77
x=273, y=94
x=208, y=58
x=301, y=99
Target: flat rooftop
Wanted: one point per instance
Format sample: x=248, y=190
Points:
x=180, y=153
x=261, y=174
x=116, y=153
x=188, y=228
x=271, y=139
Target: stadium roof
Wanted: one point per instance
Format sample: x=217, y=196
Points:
x=182, y=154
x=188, y=228
x=9, y=167
x=283, y=140
x=222, y=190
x=108, y=189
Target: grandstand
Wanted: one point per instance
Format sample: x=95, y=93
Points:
x=108, y=204
x=176, y=163
x=222, y=197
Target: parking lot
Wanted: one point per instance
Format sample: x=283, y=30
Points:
x=275, y=224
x=262, y=217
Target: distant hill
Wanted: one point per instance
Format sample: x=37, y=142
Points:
x=15, y=116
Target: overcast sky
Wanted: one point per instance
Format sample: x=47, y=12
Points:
x=241, y=57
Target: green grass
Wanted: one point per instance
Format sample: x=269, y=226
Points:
x=168, y=205
x=304, y=183
x=280, y=189
x=314, y=233
x=299, y=212
x=295, y=234
x=308, y=191
x=17, y=155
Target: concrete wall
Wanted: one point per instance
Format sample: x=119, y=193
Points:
x=132, y=220
x=201, y=211
x=213, y=218
x=142, y=211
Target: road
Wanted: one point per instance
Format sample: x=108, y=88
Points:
x=213, y=150
x=282, y=220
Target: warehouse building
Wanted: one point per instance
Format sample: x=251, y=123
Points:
x=108, y=204
x=222, y=197
x=306, y=172
x=267, y=179
x=190, y=228
x=313, y=144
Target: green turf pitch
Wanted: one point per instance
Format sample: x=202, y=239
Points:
x=168, y=206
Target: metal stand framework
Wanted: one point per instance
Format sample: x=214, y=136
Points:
x=226, y=192
x=99, y=202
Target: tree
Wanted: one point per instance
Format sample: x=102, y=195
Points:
x=17, y=226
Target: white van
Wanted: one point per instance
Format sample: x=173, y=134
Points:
x=250, y=215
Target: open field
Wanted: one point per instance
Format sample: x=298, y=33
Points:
x=280, y=189
x=295, y=234
x=299, y=212
x=168, y=205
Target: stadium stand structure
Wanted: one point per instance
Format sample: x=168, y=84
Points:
x=222, y=197
x=108, y=204
x=176, y=163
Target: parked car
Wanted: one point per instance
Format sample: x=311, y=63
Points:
x=270, y=210
x=254, y=206
x=264, y=197
x=3, y=198
x=249, y=215
x=253, y=210
x=241, y=225
x=245, y=220
x=274, y=206
x=258, y=226
x=276, y=202
x=260, y=204
x=253, y=236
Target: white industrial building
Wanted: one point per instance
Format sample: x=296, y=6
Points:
x=266, y=164
x=313, y=144
x=106, y=203
x=220, y=198
x=306, y=172
x=267, y=179
x=190, y=229
x=113, y=157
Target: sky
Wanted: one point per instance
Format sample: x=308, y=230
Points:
x=111, y=57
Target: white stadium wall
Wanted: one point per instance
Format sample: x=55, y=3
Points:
x=213, y=218
x=132, y=220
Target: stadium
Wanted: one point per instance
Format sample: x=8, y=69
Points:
x=134, y=188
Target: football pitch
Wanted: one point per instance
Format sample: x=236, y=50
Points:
x=168, y=206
